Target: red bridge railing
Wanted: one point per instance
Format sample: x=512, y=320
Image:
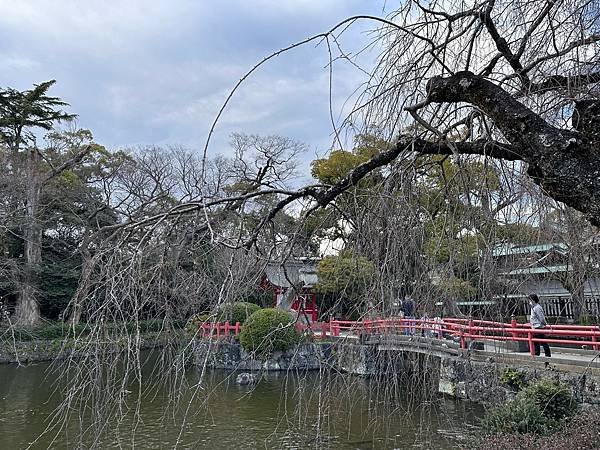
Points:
x=464, y=330
x=219, y=329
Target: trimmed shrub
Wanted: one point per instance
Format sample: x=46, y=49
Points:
x=268, y=330
x=237, y=312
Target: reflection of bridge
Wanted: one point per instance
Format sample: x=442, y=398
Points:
x=574, y=347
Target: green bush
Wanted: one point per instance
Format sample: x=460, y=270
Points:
x=268, y=330
x=582, y=432
x=513, y=378
x=587, y=320
x=538, y=408
x=554, y=399
x=145, y=326
x=264, y=298
x=520, y=415
x=49, y=331
x=232, y=313
x=61, y=330
x=237, y=312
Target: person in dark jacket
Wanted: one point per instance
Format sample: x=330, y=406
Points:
x=408, y=309
x=538, y=322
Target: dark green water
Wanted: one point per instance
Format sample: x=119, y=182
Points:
x=293, y=411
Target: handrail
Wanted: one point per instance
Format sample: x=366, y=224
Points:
x=461, y=328
x=525, y=325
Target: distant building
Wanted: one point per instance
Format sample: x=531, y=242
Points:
x=526, y=269
x=300, y=271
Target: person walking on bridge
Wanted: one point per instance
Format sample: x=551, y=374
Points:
x=408, y=309
x=538, y=321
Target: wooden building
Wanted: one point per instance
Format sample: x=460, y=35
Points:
x=543, y=269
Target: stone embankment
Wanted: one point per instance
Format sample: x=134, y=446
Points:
x=26, y=352
x=484, y=381
x=30, y=351
x=457, y=374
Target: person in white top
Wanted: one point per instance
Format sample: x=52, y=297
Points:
x=538, y=321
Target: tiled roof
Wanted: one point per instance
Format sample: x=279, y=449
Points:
x=506, y=249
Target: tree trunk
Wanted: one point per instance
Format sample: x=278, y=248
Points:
x=27, y=310
x=83, y=287
x=450, y=307
x=564, y=162
x=578, y=299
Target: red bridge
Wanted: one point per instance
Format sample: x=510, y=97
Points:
x=465, y=332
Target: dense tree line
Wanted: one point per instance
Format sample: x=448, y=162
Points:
x=88, y=232
x=476, y=127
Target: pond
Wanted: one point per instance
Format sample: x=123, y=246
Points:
x=284, y=410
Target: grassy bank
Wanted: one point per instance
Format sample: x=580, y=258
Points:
x=58, y=340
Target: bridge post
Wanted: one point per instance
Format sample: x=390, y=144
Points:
x=594, y=340
x=513, y=324
x=530, y=339
x=226, y=328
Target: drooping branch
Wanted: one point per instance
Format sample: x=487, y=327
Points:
x=483, y=147
x=407, y=144
x=564, y=82
x=572, y=46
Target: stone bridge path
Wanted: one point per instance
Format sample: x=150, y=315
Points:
x=565, y=359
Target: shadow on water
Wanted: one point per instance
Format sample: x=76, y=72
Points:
x=284, y=410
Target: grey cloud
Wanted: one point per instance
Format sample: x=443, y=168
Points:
x=157, y=72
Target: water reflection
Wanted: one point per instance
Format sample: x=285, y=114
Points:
x=289, y=411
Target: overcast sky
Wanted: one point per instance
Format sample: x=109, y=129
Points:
x=156, y=72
